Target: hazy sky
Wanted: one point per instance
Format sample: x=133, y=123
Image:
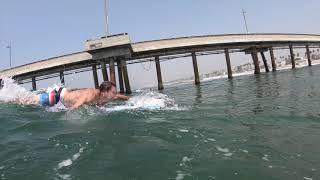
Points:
x=41, y=29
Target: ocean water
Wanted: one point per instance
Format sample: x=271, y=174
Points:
x=253, y=127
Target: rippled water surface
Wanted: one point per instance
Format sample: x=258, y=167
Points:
x=253, y=127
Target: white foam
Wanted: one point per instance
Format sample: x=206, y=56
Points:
x=77, y=155
x=212, y=139
x=64, y=163
x=11, y=92
x=243, y=150
x=307, y=178
x=184, y=130
x=64, y=176
x=225, y=76
x=68, y=162
x=265, y=157
x=223, y=150
x=228, y=154
x=147, y=100
x=184, y=160
x=180, y=175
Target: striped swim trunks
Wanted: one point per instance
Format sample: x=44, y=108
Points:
x=50, y=99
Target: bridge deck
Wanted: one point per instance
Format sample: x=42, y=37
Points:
x=218, y=40
x=169, y=46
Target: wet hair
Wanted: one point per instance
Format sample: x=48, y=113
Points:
x=106, y=86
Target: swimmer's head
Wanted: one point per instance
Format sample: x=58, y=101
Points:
x=108, y=88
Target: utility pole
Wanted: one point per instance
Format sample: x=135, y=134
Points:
x=245, y=20
x=10, y=52
x=106, y=14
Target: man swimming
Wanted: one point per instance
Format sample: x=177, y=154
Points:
x=74, y=99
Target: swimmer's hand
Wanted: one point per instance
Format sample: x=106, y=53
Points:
x=121, y=97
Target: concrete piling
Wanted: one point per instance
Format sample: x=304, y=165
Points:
x=226, y=52
x=308, y=55
x=158, y=68
x=195, y=68
x=273, y=60
x=120, y=77
x=62, y=77
x=34, y=83
x=255, y=59
x=292, y=57
x=125, y=76
x=104, y=71
x=95, y=76
x=112, y=71
x=264, y=61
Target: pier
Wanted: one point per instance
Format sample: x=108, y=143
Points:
x=116, y=53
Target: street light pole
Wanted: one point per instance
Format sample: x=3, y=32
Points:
x=106, y=14
x=10, y=52
x=245, y=20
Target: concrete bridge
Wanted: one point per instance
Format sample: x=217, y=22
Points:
x=118, y=51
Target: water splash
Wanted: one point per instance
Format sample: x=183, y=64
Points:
x=11, y=92
x=147, y=100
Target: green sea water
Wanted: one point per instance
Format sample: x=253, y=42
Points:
x=252, y=127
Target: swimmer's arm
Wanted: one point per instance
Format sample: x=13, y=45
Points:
x=85, y=99
x=121, y=97
x=78, y=104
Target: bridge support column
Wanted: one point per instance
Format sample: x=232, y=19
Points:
x=104, y=71
x=308, y=55
x=34, y=84
x=255, y=59
x=62, y=77
x=112, y=71
x=120, y=77
x=95, y=76
x=226, y=52
x=195, y=68
x=158, y=68
x=264, y=61
x=292, y=57
x=125, y=76
x=273, y=60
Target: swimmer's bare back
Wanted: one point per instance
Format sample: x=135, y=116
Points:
x=76, y=98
